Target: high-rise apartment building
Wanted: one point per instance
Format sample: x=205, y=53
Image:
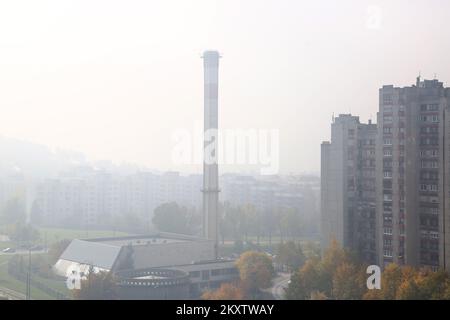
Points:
x=413, y=191
x=348, y=186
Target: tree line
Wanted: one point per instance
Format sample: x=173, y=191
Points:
x=339, y=275
x=235, y=222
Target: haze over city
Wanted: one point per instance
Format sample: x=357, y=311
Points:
x=114, y=81
x=243, y=151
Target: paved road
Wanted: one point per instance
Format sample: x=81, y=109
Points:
x=22, y=252
x=280, y=283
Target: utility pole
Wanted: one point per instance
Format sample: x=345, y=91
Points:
x=28, y=290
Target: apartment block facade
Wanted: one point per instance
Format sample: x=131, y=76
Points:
x=389, y=200
x=412, y=174
x=348, y=186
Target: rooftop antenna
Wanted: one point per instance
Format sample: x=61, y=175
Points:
x=332, y=118
x=435, y=76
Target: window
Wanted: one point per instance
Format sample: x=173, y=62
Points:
x=351, y=132
x=205, y=275
x=215, y=272
x=433, y=107
x=387, y=142
x=387, y=253
x=387, y=152
x=387, y=99
x=429, y=164
x=194, y=274
x=434, y=245
x=434, y=235
x=387, y=174
x=387, y=231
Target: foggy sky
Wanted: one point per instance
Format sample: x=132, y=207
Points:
x=114, y=79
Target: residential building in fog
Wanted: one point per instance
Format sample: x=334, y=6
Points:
x=95, y=198
x=412, y=174
x=12, y=186
x=268, y=195
x=348, y=186
x=407, y=182
x=91, y=197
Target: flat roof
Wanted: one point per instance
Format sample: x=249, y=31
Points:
x=141, y=241
x=151, y=239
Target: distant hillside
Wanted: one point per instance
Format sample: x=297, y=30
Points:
x=34, y=160
x=37, y=161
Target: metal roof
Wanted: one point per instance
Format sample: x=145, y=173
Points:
x=94, y=253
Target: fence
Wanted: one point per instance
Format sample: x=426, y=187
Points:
x=37, y=284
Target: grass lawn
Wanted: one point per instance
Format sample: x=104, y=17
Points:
x=56, y=234
x=58, y=285
x=5, y=244
x=47, y=236
x=51, y=235
x=11, y=283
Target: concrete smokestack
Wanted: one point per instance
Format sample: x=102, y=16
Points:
x=210, y=151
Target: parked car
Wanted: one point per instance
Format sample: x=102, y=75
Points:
x=9, y=250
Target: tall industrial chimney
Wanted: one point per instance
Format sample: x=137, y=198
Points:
x=210, y=151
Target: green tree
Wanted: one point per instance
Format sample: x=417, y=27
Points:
x=391, y=280
x=24, y=233
x=290, y=254
x=349, y=282
x=227, y=291
x=308, y=279
x=170, y=217
x=36, y=214
x=56, y=250
x=255, y=271
x=320, y=275
x=97, y=286
x=13, y=211
x=248, y=220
